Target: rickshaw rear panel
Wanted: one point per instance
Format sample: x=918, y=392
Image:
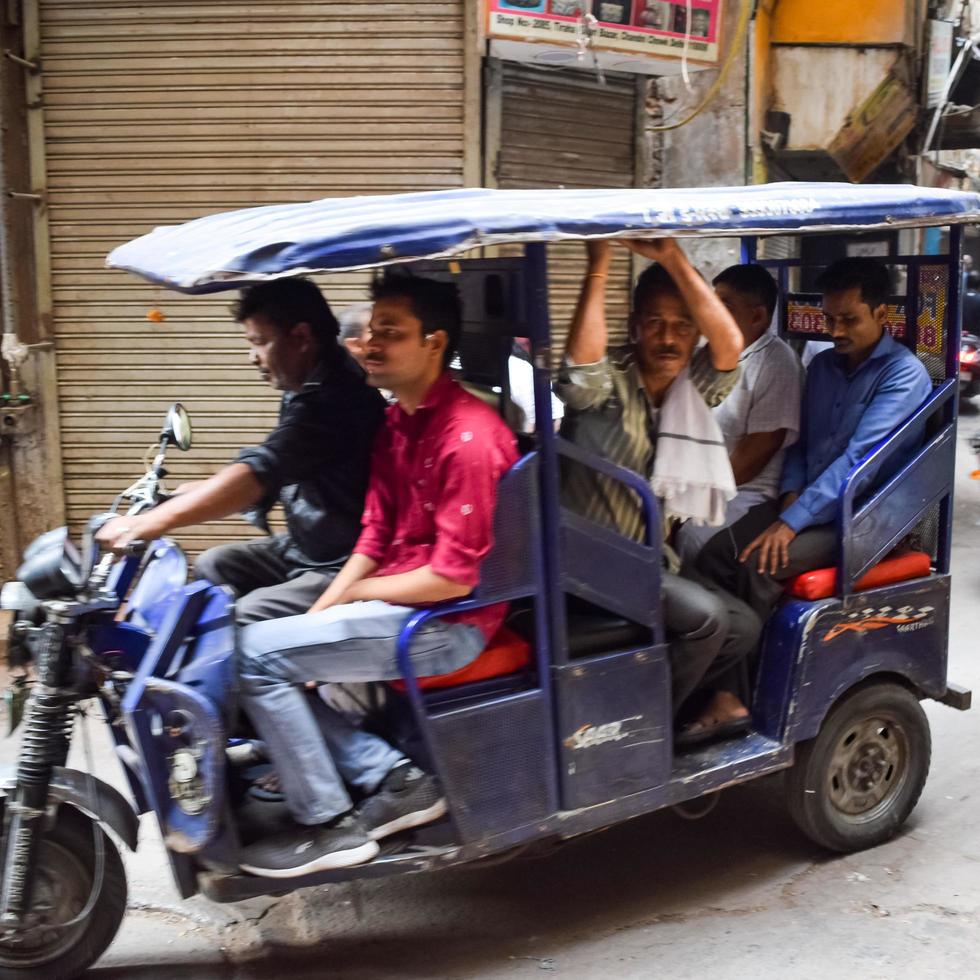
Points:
x=814, y=652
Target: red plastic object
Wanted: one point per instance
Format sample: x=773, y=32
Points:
x=506, y=653
x=821, y=583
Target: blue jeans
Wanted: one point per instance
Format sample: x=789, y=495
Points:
x=316, y=754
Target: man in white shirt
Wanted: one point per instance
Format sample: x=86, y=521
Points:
x=761, y=417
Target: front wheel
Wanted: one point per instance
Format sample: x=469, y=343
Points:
x=856, y=783
x=53, y=946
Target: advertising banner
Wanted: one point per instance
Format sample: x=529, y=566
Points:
x=659, y=29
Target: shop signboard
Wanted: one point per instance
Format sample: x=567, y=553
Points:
x=635, y=34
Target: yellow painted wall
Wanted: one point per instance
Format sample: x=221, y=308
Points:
x=760, y=85
x=840, y=21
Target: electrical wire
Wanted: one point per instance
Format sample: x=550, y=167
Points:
x=740, y=29
x=685, y=74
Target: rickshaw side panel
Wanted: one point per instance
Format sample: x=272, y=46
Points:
x=614, y=726
x=496, y=763
x=900, y=504
x=777, y=674
x=900, y=630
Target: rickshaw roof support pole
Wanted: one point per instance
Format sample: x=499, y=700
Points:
x=953, y=300
x=539, y=333
x=749, y=248
x=954, y=307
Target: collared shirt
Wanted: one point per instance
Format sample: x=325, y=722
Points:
x=844, y=416
x=607, y=412
x=316, y=461
x=433, y=490
x=766, y=398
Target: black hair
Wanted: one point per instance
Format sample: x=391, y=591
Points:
x=868, y=275
x=652, y=280
x=436, y=304
x=286, y=302
x=753, y=281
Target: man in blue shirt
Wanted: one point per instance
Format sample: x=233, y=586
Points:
x=855, y=395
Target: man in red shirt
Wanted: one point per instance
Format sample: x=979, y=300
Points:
x=427, y=525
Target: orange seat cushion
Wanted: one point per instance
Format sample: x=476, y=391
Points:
x=506, y=653
x=821, y=583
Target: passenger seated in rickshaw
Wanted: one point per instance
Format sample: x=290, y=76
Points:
x=614, y=403
x=520, y=374
x=761, y=416
x=314, y=462
x=854, y=396
x=428, y=524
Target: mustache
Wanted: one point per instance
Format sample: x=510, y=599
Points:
x=661, y=349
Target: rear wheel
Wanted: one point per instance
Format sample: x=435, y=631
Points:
x=856, y=783
x=53, y=946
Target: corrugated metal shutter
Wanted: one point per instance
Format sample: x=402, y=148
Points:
x=565, y=129
x=156, y=113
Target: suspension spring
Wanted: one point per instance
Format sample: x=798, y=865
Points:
x=49, y=714
x=47, y=735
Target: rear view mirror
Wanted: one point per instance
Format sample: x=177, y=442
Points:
x=177, y=430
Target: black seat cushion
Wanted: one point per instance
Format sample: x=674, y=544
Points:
x=591, y=633
x=591, y=630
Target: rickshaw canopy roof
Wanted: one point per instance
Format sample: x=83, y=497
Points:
x=230, y=249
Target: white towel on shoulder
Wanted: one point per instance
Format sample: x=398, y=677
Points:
x=691, y=471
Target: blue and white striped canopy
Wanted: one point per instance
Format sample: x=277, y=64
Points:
x=225, y=251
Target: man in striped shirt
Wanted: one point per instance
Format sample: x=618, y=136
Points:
x=613, y=403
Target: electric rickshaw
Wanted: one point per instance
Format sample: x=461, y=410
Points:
x=564, y=725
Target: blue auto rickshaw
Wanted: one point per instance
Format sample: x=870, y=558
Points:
x=563, y=726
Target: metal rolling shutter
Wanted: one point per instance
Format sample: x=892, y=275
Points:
x=156, y=113
x=565, y=129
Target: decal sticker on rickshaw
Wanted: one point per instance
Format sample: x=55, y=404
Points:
x=932, y=309
x=804, y=315
x=589, y=736
x=905, y=619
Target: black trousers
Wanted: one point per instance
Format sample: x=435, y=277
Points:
x=814, y=547
x=266, y=584
x=709, y=631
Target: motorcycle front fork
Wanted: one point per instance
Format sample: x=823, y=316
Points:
x=47, y=733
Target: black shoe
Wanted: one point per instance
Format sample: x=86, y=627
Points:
x=342, y=843
x=406, y=798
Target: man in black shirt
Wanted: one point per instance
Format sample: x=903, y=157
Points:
x=315, y=462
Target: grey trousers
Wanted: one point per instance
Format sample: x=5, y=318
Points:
x=315, y=753
x=708, y=632
x=266, y=585
x=814, y=547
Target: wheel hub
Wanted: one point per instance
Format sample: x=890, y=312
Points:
x=59, y=894
x=869, y=765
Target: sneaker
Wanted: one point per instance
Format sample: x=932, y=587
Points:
x=342, y=843
x=406, y=798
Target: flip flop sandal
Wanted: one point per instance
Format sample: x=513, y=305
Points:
x=686, y=737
